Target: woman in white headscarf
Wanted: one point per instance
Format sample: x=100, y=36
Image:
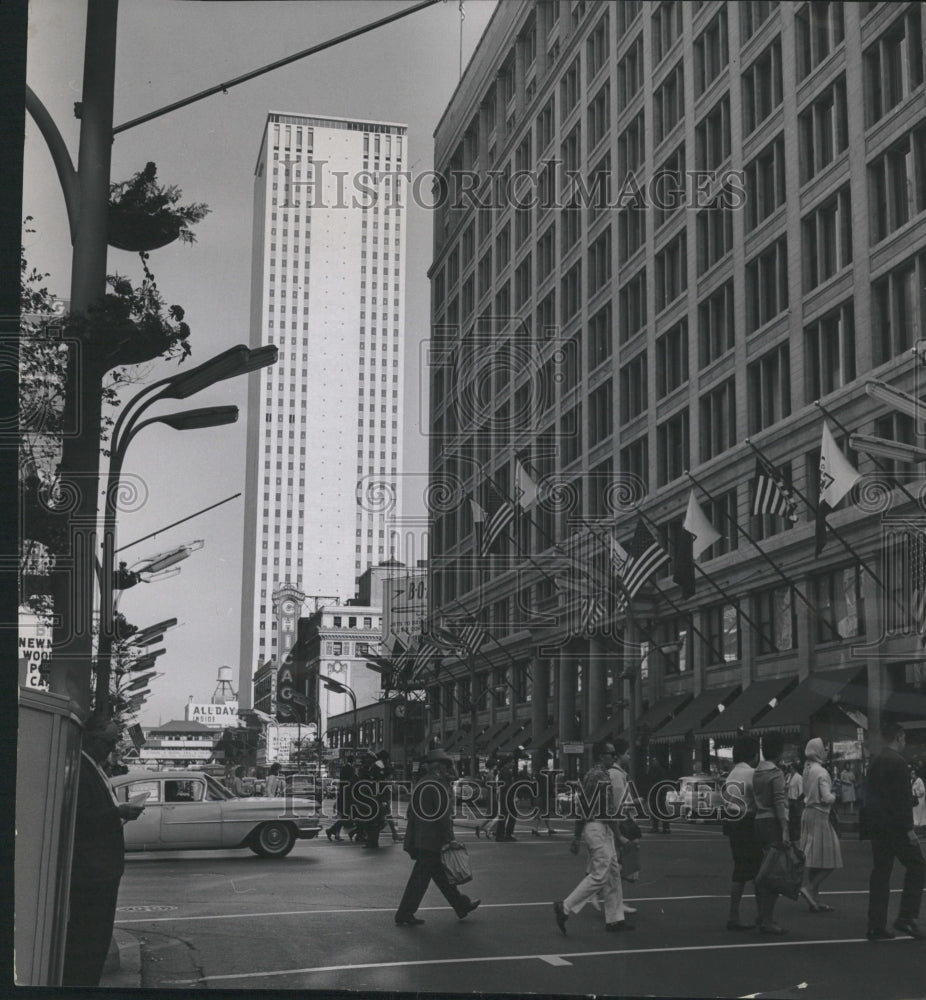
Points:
x=819, y=840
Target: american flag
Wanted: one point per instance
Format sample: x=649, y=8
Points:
x=472, y=636
x=917, y=538
x=592, y=614
x=491, y=522
x=646, y=555
x=770, y=494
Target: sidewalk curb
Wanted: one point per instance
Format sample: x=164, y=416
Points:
x=123, y=963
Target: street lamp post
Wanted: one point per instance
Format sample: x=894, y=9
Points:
x=332, y=685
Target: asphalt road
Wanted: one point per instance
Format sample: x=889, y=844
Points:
x=323, y=919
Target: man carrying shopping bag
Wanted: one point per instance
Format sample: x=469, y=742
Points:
x=429, y=829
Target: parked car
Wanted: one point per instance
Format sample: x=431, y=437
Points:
x=699, y=797
x=190, y=810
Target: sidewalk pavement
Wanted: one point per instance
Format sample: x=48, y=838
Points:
x=123, y=963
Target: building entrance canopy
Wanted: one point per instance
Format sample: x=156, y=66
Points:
x=693, y=715
x=749, y=707
x=812, y=694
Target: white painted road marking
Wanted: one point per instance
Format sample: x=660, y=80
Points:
x=391, y=909
x=553, y=960
x=485, y=959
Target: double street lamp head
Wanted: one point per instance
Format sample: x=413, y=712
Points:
x=238, y=360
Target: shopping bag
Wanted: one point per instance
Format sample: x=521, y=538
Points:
x=630, y=861
x=782, y=870
x=455, y=861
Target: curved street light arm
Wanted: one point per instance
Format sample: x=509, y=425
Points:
x=60, y=156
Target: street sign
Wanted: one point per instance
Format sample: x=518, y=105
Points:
x=572, y=746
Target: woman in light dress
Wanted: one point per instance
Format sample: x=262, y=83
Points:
x=819, y=841
x=919, y=793
x=847, y=780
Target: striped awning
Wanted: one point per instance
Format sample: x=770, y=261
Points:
x=813, y=693
x=757, y=700
x=520, y=737
x=659, y=713
x=694, y=715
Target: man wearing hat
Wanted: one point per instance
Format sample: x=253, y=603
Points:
x=430, y=827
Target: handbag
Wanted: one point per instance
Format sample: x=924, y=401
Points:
x=630, y=861
x=629, y=829
x=834, y=821
x=455, y=861
x=782, y=870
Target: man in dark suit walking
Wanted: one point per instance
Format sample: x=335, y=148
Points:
x=887, y=820
x=430, y=827
x=98, y=861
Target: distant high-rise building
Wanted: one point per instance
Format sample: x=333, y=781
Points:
x=324, y=423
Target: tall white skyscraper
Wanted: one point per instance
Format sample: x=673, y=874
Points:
x=325, y=422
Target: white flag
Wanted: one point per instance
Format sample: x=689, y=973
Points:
x=697, y=524
x=525, y=489
x=618, y=557
x=837, y=474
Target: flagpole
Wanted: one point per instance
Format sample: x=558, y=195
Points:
x=839, y=537
x=845, y=430
x=735, y=603
x=766, y=557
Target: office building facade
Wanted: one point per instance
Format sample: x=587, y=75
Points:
x=324, y=423
x=692, y=222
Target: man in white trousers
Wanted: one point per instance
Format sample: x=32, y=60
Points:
x=604, y=871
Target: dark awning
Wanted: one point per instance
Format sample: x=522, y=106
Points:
x=663, y=710
x=692, y=716
x=505, y=734
x=517, y=734
x=485, y=738
x=544, y=740
x=910, y=703
x=454, y=738
x=606, y=730
x=812, y=694
x=749, y=707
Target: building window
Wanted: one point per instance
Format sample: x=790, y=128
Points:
x=503, y=248
x=600, y=414
x=712, y=136
x=545, y=126
x=827, y=239
x=599, y=338
x=671, y=271
x=830, y=352
x=753, y=14
x=669, y=103
x=599, y=116
x=715, y=235
x=769, y=381
x=546, y=252
x=838, y=599
x=672, y=448
x=569, y=90
x=711, y=52
x=894, y=64
x=716, y=333
x=485, y=272
x=632, y=307
x=599, y=263
x=819, y=30
x=571, y=434
x=633, y=388
x=631, y=150
x=571, y=225
x=599, y=183
x=668, y=187
x=630, y=74
x=635, y=462
x=571, y=368
x=522, y=283
x=898, y=305
x=571, y=292
x=718, y=420
x=762, y=91
x=626, y=14
x=823, y=130
x=767, y=285
x=667, y=28
x=721, y=512
x=774, y=614
x=631, y=231
x=672, y=360
x=765, y=183
x=546, y=314
x=897, y=184
x=895, y=427
x=596, y=48
x=721, y=634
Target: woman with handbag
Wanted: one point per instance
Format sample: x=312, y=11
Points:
x=819, y=841
x=771, y=822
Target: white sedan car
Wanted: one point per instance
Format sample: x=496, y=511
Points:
x=189, y=810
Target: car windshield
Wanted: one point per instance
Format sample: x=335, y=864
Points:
x=216, y=790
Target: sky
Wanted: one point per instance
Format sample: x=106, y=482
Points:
x=405, y=72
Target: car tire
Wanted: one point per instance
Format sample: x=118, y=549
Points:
x=273, y=840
